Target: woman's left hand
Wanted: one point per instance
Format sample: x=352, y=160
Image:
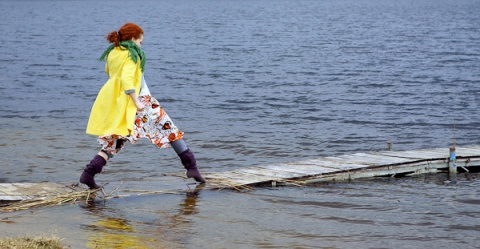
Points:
x=138, y=103
x=140, y=106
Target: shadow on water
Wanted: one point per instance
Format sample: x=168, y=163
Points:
x=113, y=229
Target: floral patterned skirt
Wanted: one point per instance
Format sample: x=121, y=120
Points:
x=153, y=123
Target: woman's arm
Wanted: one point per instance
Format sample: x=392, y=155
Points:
x=138, y=103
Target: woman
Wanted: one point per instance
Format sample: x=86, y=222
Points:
x=124, y=110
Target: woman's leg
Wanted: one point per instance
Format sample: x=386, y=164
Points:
x=110, y=147
x=179, y=146
x=94, y=167
x=188, y=160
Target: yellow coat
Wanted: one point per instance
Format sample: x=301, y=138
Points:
x=114, y=111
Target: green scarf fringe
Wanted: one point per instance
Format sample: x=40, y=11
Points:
x=135, y=52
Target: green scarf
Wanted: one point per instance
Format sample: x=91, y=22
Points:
x=134, y=50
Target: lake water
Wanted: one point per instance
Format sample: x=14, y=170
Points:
x=251, y=83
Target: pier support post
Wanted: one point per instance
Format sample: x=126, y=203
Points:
x=452, y=165
x=389, y=146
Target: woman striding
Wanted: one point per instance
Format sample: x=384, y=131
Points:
x=124, y=109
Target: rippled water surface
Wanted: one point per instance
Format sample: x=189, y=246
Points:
x=251, y=83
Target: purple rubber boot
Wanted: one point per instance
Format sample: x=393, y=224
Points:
x=94, y=167
x=188, y=160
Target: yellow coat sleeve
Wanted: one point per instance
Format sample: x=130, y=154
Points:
x=128, y=74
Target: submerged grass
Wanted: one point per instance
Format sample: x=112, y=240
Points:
x=52, y=242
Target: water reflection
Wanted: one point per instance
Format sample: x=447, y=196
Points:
x=116, y=233
x=189, y=205
x=114, y=230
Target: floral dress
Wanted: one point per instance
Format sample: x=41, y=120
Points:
x=153, y=123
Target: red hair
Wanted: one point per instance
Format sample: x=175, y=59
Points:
x=125, y=33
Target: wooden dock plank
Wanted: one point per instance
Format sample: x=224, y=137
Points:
x=464, y=151
x=314, y=169
x=273, y=174
x=372, y=159
x=417, y=155
x=27, y=191
x=298, y=170
x=285, y=167
x=332, y=162
x=433, y=153
x=239, y=178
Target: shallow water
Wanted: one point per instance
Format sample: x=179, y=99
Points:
x=251, y=83
x=419, y=212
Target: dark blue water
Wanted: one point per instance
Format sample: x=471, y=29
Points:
x=253, y=83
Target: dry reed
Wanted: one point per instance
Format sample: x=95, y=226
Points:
x=52, y=242
x=70, y=198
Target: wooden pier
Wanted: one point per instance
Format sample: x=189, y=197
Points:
x=325, y=169
x=349, y=167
